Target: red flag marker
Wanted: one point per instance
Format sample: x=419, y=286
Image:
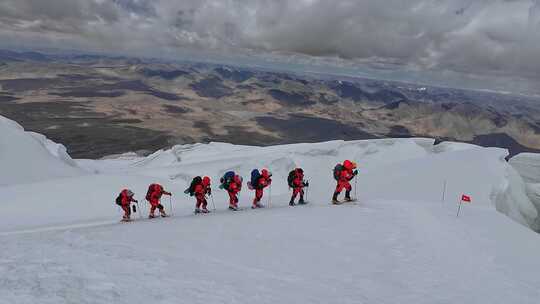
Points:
x=464, y=198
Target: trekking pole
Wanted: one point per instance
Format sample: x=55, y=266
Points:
x=147, y=210
x=355, y=184
x=270, y=196
x=213, y=203
x=121, y=211
x=170, y=204
x=139, y=210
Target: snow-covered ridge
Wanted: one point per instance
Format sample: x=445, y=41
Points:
x=528, y=166
x=27, y=157
x=392, y=169
x=395, y=169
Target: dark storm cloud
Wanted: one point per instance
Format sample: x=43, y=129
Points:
x=500, y=37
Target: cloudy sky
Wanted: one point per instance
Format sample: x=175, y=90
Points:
x=488, y=41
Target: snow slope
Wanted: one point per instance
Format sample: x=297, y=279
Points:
x=27, y=157
x=528, y=167
x=62, y=243
x=376, y=252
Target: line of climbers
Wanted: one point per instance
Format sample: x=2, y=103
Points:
x=231, y=182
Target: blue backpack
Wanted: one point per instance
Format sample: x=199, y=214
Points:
x=255, y=175
x=227, y=179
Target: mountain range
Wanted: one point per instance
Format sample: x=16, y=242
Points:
x=101, y=105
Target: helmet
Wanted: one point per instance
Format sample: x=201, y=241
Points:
x=299, y=170
x=206, y=181
x=265, y=173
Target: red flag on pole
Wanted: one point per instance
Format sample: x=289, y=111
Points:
x=465, y=198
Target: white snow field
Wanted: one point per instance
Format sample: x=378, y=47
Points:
x=401, y=243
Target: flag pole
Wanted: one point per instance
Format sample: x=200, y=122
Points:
x=459, y=207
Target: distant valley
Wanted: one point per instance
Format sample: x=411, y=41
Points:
x=99, y=105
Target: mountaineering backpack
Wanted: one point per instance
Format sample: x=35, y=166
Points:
x=337, y=171
x=196, y=181
x=151, y=189
x=291, y=177
x=255, y=176
x=119, y=199
x=226, y=180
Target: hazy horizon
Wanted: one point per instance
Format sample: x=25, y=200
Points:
x=491, y=45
